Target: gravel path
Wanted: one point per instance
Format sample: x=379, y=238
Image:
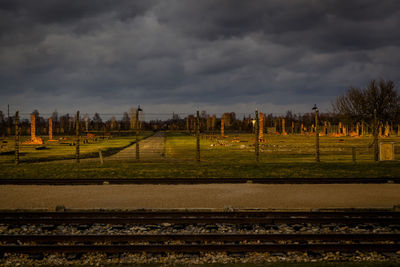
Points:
x=201, y=196
x=149, y=148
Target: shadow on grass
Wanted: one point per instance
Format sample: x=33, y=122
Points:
x=199, y=170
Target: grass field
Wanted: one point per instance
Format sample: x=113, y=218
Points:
x=111, y=170
x=233, y=156
x=276, y=149
x=64, y=149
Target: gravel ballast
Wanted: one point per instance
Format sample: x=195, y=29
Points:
x=193, y=258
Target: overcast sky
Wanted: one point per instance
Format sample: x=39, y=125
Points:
x=167, y=55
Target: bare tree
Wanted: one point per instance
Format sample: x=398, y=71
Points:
x=125, y=122
x=359, y=104
x=97, y=122
x=54, y=116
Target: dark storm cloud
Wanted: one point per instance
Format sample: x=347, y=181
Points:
x=179, y=55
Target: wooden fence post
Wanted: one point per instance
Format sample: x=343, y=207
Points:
x=77, y=137
x=316, y=137
x=137, y=135
x=256, y=145
x=198, y=137
x=101, y=157
x=16, y=138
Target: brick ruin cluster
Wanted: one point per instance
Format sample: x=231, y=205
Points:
x=279, y=128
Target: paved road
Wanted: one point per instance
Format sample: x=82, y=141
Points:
x=200, y=196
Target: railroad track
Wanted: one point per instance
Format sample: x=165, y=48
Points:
x=196, y=217
x=199, y=243
x=194, y=242
x=102, y=181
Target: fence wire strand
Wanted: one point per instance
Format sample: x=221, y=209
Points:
x=227, y=137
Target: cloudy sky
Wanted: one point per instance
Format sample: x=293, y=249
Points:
x=214, y=55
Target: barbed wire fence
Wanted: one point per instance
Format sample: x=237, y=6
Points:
x=199, y=137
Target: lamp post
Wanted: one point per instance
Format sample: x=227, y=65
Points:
x=253, y=123
x=315, y=108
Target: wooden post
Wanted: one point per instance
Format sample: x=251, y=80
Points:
x=261, y=127
x=77, y=137
x=137, y=134
x=8, y=121
x=16, y=138
x=316, y=137
x=353, y=152
x=101, y=157
x=198, y=137
x=256, y=145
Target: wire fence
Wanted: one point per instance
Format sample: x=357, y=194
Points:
x=197, y=137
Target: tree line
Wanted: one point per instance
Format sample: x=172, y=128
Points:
x=65, y=124
x=356, y=105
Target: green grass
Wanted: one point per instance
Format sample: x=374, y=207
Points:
x=239, y=148
x=194, y=170
x=280, y=156
x=64, y=149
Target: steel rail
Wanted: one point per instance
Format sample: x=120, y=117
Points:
x=200, y=220
x=379, y=217
x=201, y=214
x=96, y=181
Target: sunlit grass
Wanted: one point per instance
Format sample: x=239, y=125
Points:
x=65, y=149
x=289, y=156
x=239, y=148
